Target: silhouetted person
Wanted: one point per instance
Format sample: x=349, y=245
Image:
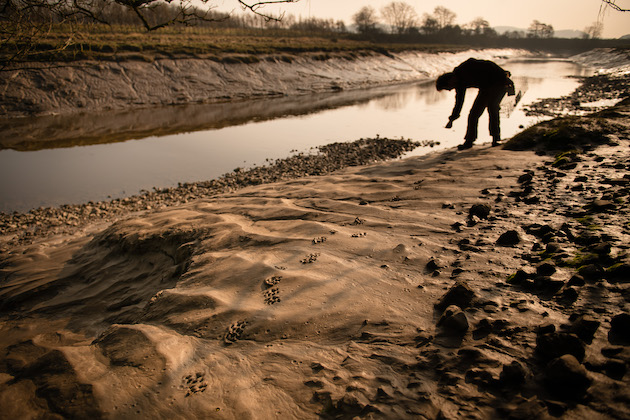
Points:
x=493, y=83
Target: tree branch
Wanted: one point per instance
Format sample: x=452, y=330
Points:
x=612, y=4
x=255, y=6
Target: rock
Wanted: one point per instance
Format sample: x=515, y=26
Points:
x=518, y=278
x=432, y=265
x=545, y=269
x=599, y=206
x=509, y=238
x=553, y=248
x=513, y=375
x=459, y=294
x=615, y=369
x=585, y=327
x=576, y=280
x=569, y=295
x=525, y=178
x=454, y=319
x=620, y=329
x=618, y=273
x=552, y=345
x=591, y=272
x=482, y=211
x=566, y=377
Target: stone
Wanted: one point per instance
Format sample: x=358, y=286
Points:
x=566, y=377
x=618, y=273
x=518, y=278
x=545, y=269
x=513, y=375
x=482, y=211
x=525, y=178
x=459, y=294
x=454, y=319
x=552, y=345
x=509, y=238
x=432, y=265
x=591, y=272
x=615, y=369
x=620, y=329
x=585, y=327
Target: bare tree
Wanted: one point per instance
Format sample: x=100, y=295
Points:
x=540, y=30
x=444, y=16
x=365, y=19
x=479, y=26
x=430, y=25
x=400, y=16
x=594, y=31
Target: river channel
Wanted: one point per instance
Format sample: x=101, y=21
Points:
x=92, y=158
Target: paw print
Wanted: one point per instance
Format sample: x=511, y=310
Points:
x=194, y=383
x=311, y=258
x=272, y=281
x=234, y=332
x=272, y=296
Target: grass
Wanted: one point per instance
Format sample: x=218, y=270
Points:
x=101, y=42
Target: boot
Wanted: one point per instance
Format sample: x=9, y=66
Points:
x=467, y=145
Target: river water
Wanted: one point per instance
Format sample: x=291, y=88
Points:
x=117, y=155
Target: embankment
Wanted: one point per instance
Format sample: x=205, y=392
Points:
x=91, y=86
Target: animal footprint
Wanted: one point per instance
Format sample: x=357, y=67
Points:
x=234, y=332
x=272, y=281
x=309, y=259
x=272, y=296
x=194, y=383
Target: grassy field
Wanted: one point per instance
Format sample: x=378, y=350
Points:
x=100, y=42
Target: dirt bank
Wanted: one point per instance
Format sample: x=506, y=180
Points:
x=62, y=88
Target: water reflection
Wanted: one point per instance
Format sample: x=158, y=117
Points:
x=200, y=142
x=50, y=132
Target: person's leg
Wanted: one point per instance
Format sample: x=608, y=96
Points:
x=480, y=104
x=494, y=106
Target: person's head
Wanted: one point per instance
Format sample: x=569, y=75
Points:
x=446, y=81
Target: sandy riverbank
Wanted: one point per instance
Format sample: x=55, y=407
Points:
x=489, y=283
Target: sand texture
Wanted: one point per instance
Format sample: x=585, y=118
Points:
x=489, y=283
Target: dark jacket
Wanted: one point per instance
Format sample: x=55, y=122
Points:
x=482, y=74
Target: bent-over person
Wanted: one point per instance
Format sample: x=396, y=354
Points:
x=493, y=83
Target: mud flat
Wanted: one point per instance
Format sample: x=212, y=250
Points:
x=489, y=283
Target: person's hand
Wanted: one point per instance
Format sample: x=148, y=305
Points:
x=450, y=124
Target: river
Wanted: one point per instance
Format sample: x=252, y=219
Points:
x=117, y=155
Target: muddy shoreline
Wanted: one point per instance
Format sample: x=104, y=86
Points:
x=488, y=283
x=24, y=227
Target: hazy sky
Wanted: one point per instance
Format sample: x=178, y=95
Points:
x=562, y=14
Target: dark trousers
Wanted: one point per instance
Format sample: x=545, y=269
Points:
x=487, y=98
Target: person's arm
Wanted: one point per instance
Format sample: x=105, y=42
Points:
x=460, y=93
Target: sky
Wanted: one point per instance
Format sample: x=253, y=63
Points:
x=561, y=14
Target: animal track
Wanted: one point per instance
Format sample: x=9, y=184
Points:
x=272, y=281
x=234, y=332
x=309, y=259
x=272, y=296
x=194, y=383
